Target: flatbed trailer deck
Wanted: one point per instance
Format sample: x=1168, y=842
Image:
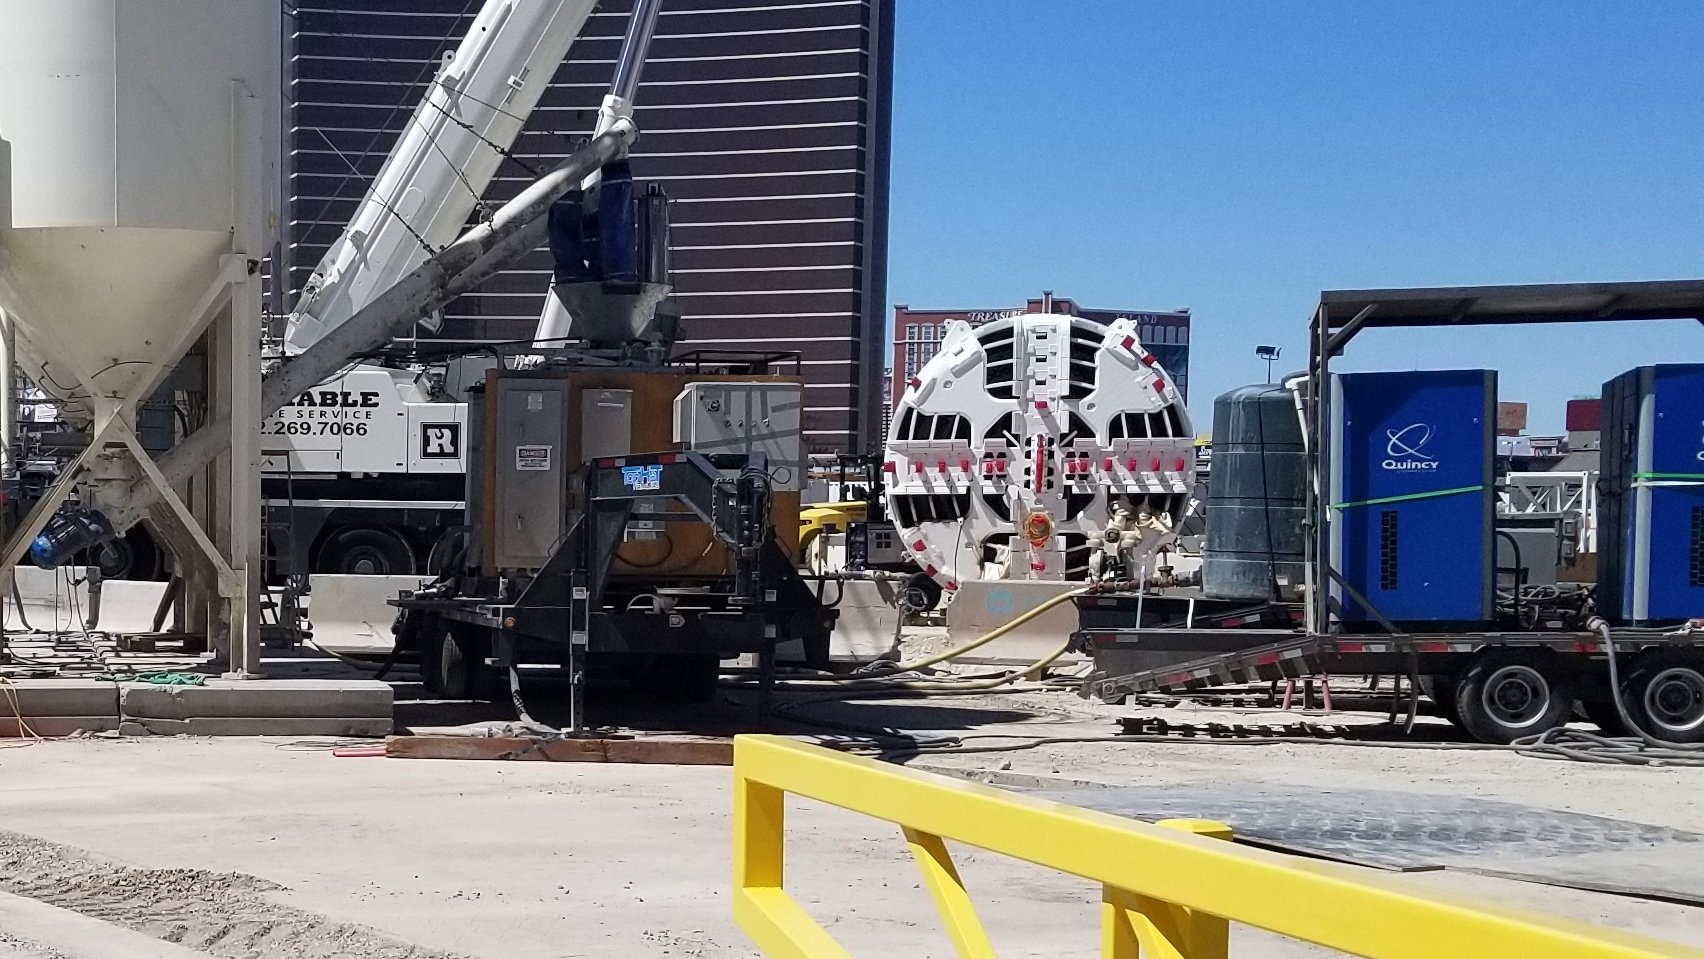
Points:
x=1499, y=685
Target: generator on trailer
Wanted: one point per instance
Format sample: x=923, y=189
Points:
x=1410, y=572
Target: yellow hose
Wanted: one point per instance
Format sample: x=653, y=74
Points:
x=950, y=654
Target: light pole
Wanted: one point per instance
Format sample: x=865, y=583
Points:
x=1268, y=353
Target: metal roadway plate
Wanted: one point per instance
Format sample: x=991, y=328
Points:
x=1414, y=831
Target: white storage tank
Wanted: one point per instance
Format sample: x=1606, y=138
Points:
x=143, y=142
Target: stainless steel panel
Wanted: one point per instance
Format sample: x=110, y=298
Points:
x=529, y=471
x=606, y=423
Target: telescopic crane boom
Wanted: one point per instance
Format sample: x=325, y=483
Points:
x=453, y=145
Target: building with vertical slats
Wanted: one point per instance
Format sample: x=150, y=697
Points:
x=766, y=121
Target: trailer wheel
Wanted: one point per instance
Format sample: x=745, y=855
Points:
x=453, y=663
x=1506, y=694
x=367, y=552
x=1667, y=695
x=688, y=678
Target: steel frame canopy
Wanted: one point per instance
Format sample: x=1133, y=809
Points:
x=1342, y=314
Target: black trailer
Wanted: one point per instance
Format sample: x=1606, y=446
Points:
x=472, y=632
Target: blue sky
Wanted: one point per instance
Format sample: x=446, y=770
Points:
x=1237, y=157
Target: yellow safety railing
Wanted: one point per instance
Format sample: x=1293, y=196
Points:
x=1169, y=891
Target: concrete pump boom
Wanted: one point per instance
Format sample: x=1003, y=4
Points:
x=433, y=179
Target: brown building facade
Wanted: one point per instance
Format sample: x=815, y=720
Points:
x=766, y=121
x=917, y=335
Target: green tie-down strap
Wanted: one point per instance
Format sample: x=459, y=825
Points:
x=1684, y=479
x=157, y=679
x=1408, y=497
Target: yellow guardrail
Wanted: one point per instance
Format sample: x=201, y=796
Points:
x=1169, y=891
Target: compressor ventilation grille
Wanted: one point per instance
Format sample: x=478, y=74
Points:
x=1387, y=549
x=1696, y=573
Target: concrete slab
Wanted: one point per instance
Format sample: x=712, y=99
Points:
x=260, y=699
x=256, y=707
x=54, y=933
x=983, y=605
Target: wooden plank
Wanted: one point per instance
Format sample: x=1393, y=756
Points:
x=653, y=751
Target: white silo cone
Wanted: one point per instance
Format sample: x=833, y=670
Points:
x=140, y=136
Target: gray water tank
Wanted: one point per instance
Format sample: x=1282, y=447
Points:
x=1256, y=498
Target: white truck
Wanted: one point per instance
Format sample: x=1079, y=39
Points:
x=365, y=473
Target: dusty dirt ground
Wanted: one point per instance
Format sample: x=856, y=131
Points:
x=248, y=847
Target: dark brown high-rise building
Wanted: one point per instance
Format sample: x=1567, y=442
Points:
x=766, y=121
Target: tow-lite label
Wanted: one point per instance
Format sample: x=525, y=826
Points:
x=642, y=477
x=532, y=459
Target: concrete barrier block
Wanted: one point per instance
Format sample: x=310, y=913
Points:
x=54, y=599
x=352, y=614
x=864, y=630
x=128, y=606
x=982, y=605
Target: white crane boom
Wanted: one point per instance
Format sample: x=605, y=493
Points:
x=435, y=177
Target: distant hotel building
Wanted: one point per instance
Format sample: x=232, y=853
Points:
x=917, y=335
x=766, y=121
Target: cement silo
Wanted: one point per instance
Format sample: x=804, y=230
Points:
x=136, y=203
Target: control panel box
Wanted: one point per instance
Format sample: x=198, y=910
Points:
x=1651, y=496
x=1411, y=497
x=735, y=417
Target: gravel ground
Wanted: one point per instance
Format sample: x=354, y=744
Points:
x=251, y=847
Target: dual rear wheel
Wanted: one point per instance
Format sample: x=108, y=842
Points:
x=1506, y=694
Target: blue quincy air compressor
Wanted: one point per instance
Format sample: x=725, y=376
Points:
x=1651, y=496
x=1412, y=498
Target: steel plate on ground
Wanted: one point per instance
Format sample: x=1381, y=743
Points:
x=1415, y=831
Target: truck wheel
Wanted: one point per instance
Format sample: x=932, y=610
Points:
x=1667, y=695
x=922, y=593
x=367, y=552
x=1507, y=694
x=131, y=556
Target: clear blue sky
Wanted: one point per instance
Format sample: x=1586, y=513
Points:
x=1238, y=157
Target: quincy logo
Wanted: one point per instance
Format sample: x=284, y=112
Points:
x=641, y=477
x=1405, y=449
